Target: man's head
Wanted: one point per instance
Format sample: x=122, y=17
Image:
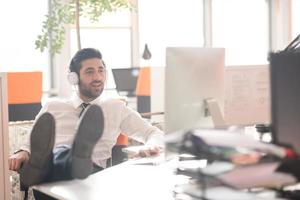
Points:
x=88, y=65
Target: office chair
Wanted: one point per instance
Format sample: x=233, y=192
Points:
x=143, y=91
x=24, y=101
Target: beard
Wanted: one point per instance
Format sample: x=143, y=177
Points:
x=89, y=91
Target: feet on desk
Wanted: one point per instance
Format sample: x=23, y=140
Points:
x=89, y=131
x=41, y=145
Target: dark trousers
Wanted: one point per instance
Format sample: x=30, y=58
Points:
x=62, y=161
x=61, y=169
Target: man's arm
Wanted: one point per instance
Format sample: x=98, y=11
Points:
x=22, y=154
x=150, y=151
x=16, y=160
x=137, y=128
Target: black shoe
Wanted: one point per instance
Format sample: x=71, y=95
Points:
x=41, y=145
x=89, y=131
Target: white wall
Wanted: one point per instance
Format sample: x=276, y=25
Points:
x=21, y=22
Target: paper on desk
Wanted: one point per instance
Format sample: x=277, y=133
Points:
x=218, y=193
x=217, y=168
x=134, y=150
x=230, y=139
x=151, y=160
x=259, y=175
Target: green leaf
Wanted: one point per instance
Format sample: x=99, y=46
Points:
x=63, y=13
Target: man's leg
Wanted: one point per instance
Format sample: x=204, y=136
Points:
x=42, y=139
x=65, y=163
x=76, y=162
x=61, y=164
x=89, y=131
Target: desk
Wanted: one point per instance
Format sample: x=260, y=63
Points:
x=123, y=181
x=130, y=181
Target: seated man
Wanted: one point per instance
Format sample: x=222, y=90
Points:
x=81, y=140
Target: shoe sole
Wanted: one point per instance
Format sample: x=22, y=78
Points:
x=90, y=130
x=42, y=139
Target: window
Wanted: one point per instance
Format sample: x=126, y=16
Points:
x=296, y=17
x=20, y=25
x=169, y=23
x=241, y=26
x=111, y=35
x=114, y=45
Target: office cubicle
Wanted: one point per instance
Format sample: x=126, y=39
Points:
x=4, y=145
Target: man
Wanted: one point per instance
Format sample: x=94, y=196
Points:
x=83, y=139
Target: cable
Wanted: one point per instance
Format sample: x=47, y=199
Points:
x=293, y=44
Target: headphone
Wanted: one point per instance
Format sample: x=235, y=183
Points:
x=73, y=78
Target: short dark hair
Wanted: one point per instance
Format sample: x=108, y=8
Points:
x=82, y=55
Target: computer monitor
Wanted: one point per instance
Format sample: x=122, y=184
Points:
x=285, y=98
x=125, y=79
x=4, y=145
x=194, y=77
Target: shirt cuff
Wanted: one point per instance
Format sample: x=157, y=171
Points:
x=156, y=140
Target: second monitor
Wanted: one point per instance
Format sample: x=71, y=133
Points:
x=126, y=79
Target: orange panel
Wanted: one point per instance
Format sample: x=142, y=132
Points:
x=143, y=86
x=122, y=140
x=24, y=87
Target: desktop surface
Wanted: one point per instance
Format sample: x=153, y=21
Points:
x=137, y=180
x=123, y=181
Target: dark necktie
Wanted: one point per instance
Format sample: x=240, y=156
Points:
x=83, y=106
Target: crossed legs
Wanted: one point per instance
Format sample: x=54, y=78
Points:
x=62, y=163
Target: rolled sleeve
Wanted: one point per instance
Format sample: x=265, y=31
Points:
x=139, y=129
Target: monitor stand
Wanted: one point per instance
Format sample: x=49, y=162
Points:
x=213, y=109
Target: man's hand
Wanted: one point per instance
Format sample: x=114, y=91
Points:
x=15, y=161
x=150, y=151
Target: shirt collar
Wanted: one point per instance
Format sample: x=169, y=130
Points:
x=77, y=101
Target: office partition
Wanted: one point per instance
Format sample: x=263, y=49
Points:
x=4, y=145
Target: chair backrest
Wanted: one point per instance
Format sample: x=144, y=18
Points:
x=24, y=95
x=143, y=85
x=143, y=90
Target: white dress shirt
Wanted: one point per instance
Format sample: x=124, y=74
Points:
x=118, y=118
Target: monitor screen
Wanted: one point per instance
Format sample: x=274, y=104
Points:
x=285, y=99
x=125, y=79
x=193, y=75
